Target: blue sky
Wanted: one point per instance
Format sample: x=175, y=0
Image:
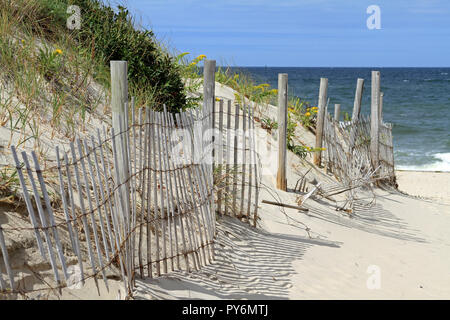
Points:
x=303, y=33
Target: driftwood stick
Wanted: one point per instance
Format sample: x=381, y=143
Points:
x=285, y=205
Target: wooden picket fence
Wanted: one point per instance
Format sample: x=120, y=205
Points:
x=236, y=169
x=348, y=154
x=161, y=218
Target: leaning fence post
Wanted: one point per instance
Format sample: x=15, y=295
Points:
x=358, y=99
x=282, y=130
x=337, y=111
x=375, y=120
x=119, y=100
x=320, y=119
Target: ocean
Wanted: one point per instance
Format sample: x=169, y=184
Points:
x=416, y=101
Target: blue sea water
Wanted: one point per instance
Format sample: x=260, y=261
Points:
x=416, y=101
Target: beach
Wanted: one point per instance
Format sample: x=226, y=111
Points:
x=393, y=246
x=428, y=184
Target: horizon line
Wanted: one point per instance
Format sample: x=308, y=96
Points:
x=267, y=66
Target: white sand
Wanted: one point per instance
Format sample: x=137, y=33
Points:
x=428, y=184
x=403, y=239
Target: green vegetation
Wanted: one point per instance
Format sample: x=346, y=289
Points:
x=52, y=79
x=246, y=87
x=269, y=124
x=43, y=63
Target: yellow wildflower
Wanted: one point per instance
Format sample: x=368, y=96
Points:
x=23, y=41
x=58, y=51
x=291, y=109
x=201, y=57
x=307, y=114
x=217, y=99
x=314, y=108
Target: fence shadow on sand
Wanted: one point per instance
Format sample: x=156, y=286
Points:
x=250, y=264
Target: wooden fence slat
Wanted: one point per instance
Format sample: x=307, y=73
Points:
x=255, y=158
x=175, y=168
x=161, y=193
x=125, y=162
x=228, y=157
x=74, y=217
x=84, y=213
x=209, y=210
x=28, y=203
x=2, y=282
x=197, y=212
x=48, y=206
x=105, y=204
x=171, y=226
x=91, y=209
x=141, y=187
x=220, y=157
x=200, y=172
x=133, y=170
x=64, y=202
x=108, y=194
x=189, y=219
x=168, y=136
x=244, y=160
x=153, y=133
x=43, y=219
x=251, y=148
x=96, y=197
x=183, y=197
x=114, y=209
x=120, y=214
x=235, y=156
x=147, y=161
x=168, y=182
x=358, y=99
x=6, y=261
x=337, y=112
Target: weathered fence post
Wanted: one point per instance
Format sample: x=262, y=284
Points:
x=337, y=112
x=320, y=119
x=375, y=121
x=282, y=130
x=358, y=99
x=209, y=72
x=119, y=102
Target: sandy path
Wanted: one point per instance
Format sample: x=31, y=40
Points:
x=409, y=248
x=397, y=247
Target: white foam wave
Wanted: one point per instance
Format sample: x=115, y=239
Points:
x=442, y=164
